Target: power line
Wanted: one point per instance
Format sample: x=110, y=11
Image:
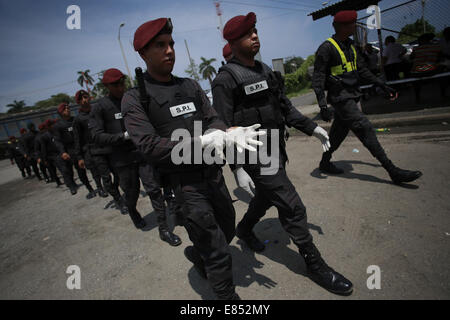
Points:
x=263, y=6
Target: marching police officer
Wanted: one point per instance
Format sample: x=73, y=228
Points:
x=63, y=136
x=109, y=129
x=84, y=141
x=162, y=104
x=38, y=155
x=245, y=92
x=15, y=154
x=338, y=68
x=49, y=152
x=27, y=141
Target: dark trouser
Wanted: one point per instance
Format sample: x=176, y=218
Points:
x=90, y=164
x=43, y=169
x=210, y=223
x=392, y=71
x=348, y=116
x=104, y=168
x=152, y=185
x=52, y=164
x=31, y=162
x=66, y=167
x=277, y=190
x=130, y=184
x=20, y=162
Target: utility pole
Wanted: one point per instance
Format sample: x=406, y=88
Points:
x=191, y=62
x=219, y=14
x=123, y=54
x=423, y=16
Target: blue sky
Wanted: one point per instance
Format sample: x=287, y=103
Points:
x=39, y=56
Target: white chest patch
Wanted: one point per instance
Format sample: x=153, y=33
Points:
x=118, y=116
x=256, y=87
x=182, y=109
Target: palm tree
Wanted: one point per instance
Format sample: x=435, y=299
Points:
x=85, y=79
x=207, y=70
x=16, y=106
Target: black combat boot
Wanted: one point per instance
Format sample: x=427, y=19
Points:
x=326, y=166
x=169, y=237
x=101, y=192
x=121, y=205
x=322, y=274
x=193, y=256
x=399, y=176
x=91, y=194
x=250, y=239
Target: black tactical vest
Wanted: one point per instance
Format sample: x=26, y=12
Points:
x=256, y=97
x=174, y=107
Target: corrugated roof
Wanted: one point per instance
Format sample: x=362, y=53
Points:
x=342, y=5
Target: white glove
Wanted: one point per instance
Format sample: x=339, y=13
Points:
x=322, y=135
x=215, y=138
x=244, y=181
x=242, y=137
x=126, y=136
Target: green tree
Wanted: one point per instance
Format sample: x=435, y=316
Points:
x=16, y=106
x=299, y=79
x=207, y=70
x=291, y=64
x=192, y=71
x=84, y=79
x=411, y=32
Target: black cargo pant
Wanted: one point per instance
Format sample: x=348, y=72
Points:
x=130, y=184
x=31, y=162
x=43, y=169
x=277, y=190
x=21, y=164
x=52, y=163
x=90, y=164
x=152, y=185
x=66, y=167
x=348, y=116
x=105, y=169
x=210, y=223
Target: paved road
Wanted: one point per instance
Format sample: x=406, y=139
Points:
x=357, y=220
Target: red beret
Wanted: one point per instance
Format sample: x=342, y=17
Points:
x=48, y=123
x=61, y=107
x=238, y=26
x=23, y=130
x=42, y=126
x=12, y=137
x=226, y=51
x=345, y=16
x=147, y=32
x=79, y=95
x=112, y=75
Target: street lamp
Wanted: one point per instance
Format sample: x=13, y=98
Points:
x=123, y=54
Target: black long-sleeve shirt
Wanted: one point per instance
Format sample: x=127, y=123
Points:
x=155, y=148
x=222, y=89
x=81, y=133
x=48, y=146
x=62, y=132
x=326, y=57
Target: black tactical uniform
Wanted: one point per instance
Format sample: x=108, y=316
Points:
x=109, y=131
x=49, y=155
x=199, y=189
x=339, y=68
x=83, y=144
x=27, y=141
x=62, y=132
x=244, y=96
x=38, y=155
x=15, y=153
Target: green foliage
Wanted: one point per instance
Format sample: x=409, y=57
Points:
x=207, y=70
x=292, y=63
x=192, y=71
x=53, y=101
x=16, y=106
x=411, y=32
x=300, y=79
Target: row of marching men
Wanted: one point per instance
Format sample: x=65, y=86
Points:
x=68, y=143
